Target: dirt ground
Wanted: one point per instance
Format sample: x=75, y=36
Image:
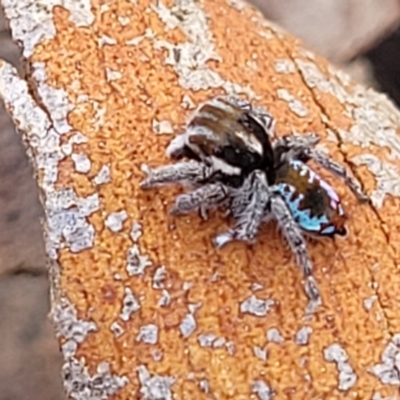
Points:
x=30, y=363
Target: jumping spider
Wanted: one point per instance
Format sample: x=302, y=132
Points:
x=232, y=162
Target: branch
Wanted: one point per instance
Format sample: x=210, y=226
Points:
x=143, y=305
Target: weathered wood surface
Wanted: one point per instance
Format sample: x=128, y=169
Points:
x=143, y=305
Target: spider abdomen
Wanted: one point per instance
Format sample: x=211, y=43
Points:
x=314, y=204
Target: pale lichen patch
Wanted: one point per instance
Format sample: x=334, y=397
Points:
x=124, y=21
x=162, y=127
x=55, y=100
x=273, y=335
x=136, y=262
x=66, y=220
x=43, y=139
x=78, y=138
x=219, y=342
x=79, y=384
x=204, y=386
x=230, y=348
x=188, y=325
x=284, y=66
x=369, y=302
x=68, y=325
x=237, y=4
x=260, y=353
x=378, y=396
x=136, y=231
x=193, y=307
x=213, y=341
x=82, y=162
x=331, y=136
x=99, y=114
x=148, y=334
x=337, y=354
x=189, y=59
x=388, y=371
x=148, y=34
x=157, y=354
x=372, y=127
x=294, y=104
x=302, y=336
x=252, y=64
x=77, y=381
x=103, y=176
x=31, y=21
x=206, y=339
x=165, y=299
x=263, y=390
x=159, y=277
x=253, y=305
x=69, y=349
x=66, y=212
x=106, y=40
x=256, y=286
x=187, y=286
x=112, y=75
x=314, y=78
x=115, y=220
x=116, y=329
x=130, y=304
x=156, y=386
x=387, y=177
x=187, y=103
x=266, y=34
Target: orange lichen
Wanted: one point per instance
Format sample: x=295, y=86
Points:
x=243, y=305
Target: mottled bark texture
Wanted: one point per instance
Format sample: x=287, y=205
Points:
x=29, y=357
x=143, y=305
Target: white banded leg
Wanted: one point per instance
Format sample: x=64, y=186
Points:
x=191, y=171
x=297, y=243
x=203, y=199
x=326, y=162
x=295, y=145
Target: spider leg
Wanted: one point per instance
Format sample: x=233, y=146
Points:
x=324, y=161
x=237, y=101
x=297, y=243
x=248, y=207
x=191, y=171
x=295, y=146
x=204, y=198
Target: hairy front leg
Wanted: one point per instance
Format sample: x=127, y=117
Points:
x=297, y=243
x=248, y=207
x=295, y=146
x=326, y=162
x=186, y=171
x=203, y=199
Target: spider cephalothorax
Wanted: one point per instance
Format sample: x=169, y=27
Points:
x=230, y=135
x=231, y=161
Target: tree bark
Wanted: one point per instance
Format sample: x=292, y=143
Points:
x=143, y=305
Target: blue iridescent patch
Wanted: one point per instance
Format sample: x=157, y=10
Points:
x=303, y=218
x=314, y=178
